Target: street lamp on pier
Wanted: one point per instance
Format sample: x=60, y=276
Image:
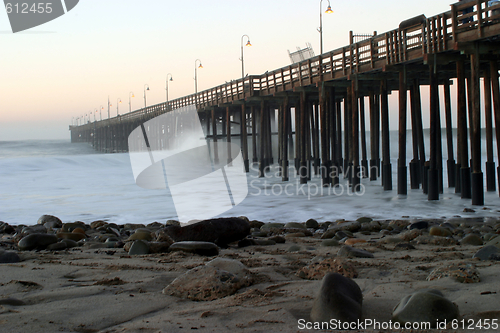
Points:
x=196, y=79
x=109, y=105
x=146, y=85
x=320, y=30
x=100, y=111
x=130, y=94
x=242, y=62
x=166, y=88
x=118, y=101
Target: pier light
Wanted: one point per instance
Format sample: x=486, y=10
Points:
x=166, y=83
x=320, y=30
x=109, y=105
x=130, y=94
x=100, y=111
x=118, y=101
x=146, y=85
x=95, y=112
x=242, y=62
x=196, y=79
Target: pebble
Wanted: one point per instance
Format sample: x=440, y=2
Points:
x=330, y=242
x=49, y=219
x=471, y=239
x=352, y=241
x=364, y=219
x=419, y=225
x=350, y=252
x=141, y=234
x=295, y=225
x=295, y=234
x=312, y=223
x=75, y=236
x=59, y=246
x=232, y=266
x=495, y=242
x=268, y=226
x=328, y=234
x=486, y=252
x=9, y=257
x=201, y=248
x=427, y=305
x=221, y=231
x=36, y=241
x=139, y=247
x=346, y=226
x=339, y=298
x=317, y=270
x=294, y=248
x=439, y=231
x=278, y=239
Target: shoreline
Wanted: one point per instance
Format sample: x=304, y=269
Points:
x=94, y=287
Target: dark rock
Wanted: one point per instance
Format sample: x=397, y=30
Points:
x=69, y=243
x=5, y=228
x=350, y=252
x=49, y=218
x=69, y=227
x=139, y=247
x=471, y=239
x=342, y=234
x=59, y=246
x=346, y=226
x=330, y=242
x=200, y=248
x=295, y=225
x=256, y=224
x=36, y=241
x=328, y=234
x=9, y=257
x=405, y=246
x=364, y=219
x=294, y=248
x=312, y=223
x=440, y=231
x=419, y=225
x=425, y=306
x=340, y=298
x=159, y=247
x=494, y=241
x=221, y=231
x=486, y=252
x=245, y=242
x=278, y=239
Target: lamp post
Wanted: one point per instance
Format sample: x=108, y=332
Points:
x=100, y=111
x=242, y=62
x=166, y=84
x=130, y=94
x=95, y=111
x=328, y=11
x=145, y=93
x=109, y=105
x=118, y=101
x=196, y=79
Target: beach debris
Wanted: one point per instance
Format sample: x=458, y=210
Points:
x=462, y=272
x=317, y=270
x=339, y=298
x=428, y=305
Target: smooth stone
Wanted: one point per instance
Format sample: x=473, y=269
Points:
x=205, y=283
x=294, y=248
x=69, y=243
x=98, y=224
x=439, y=231
x=268, y=226
x=232, y=266
x=69, y=227
x=256, y=224
x=259, y=234
x=141, y=235
x=278, y=239
x=11, y=301
x=489, y=236
x=339, y=298
x=352, y=241
x=343, y=234
x=9, y=257
x=158, y=247
x=263, y=242
x=78, y=231
x=350, y=252
x=486, y=252
x=59, y=246
x=330, y=242
x=173, y=222
x=200, y=248
x=139, y=247
x=49, y=218
x=364, y=219
x=6, y=228
x=495, y=257
x=328, y=234
x=419, y=225
x=471, y=239
x=70, y=235
x=295, y=225
x=34, y=229
x=346, y=226
x=36, y=241
x=312, y=223
x=425, y=306
x=295, y=234
x=221, y=231
x=495, y=242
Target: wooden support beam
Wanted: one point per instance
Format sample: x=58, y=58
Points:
x=386, y=156
x=402, y=169
x=433, y=181
x=490, y=164
x=356, y=174
x=244, y=137
x=477, y=174
x=449, y=135
x=496, y=104
x=465, y=185
x=364, y=158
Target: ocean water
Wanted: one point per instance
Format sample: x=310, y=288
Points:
x=76, y=183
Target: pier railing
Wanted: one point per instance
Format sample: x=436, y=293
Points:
x=416, y=37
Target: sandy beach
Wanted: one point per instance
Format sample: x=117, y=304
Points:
x=91, y=288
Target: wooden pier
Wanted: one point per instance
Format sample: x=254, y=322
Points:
x=326, y=96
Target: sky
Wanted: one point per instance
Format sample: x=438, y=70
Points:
x=66, y=68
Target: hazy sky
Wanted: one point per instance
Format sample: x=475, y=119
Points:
x=67, y=67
